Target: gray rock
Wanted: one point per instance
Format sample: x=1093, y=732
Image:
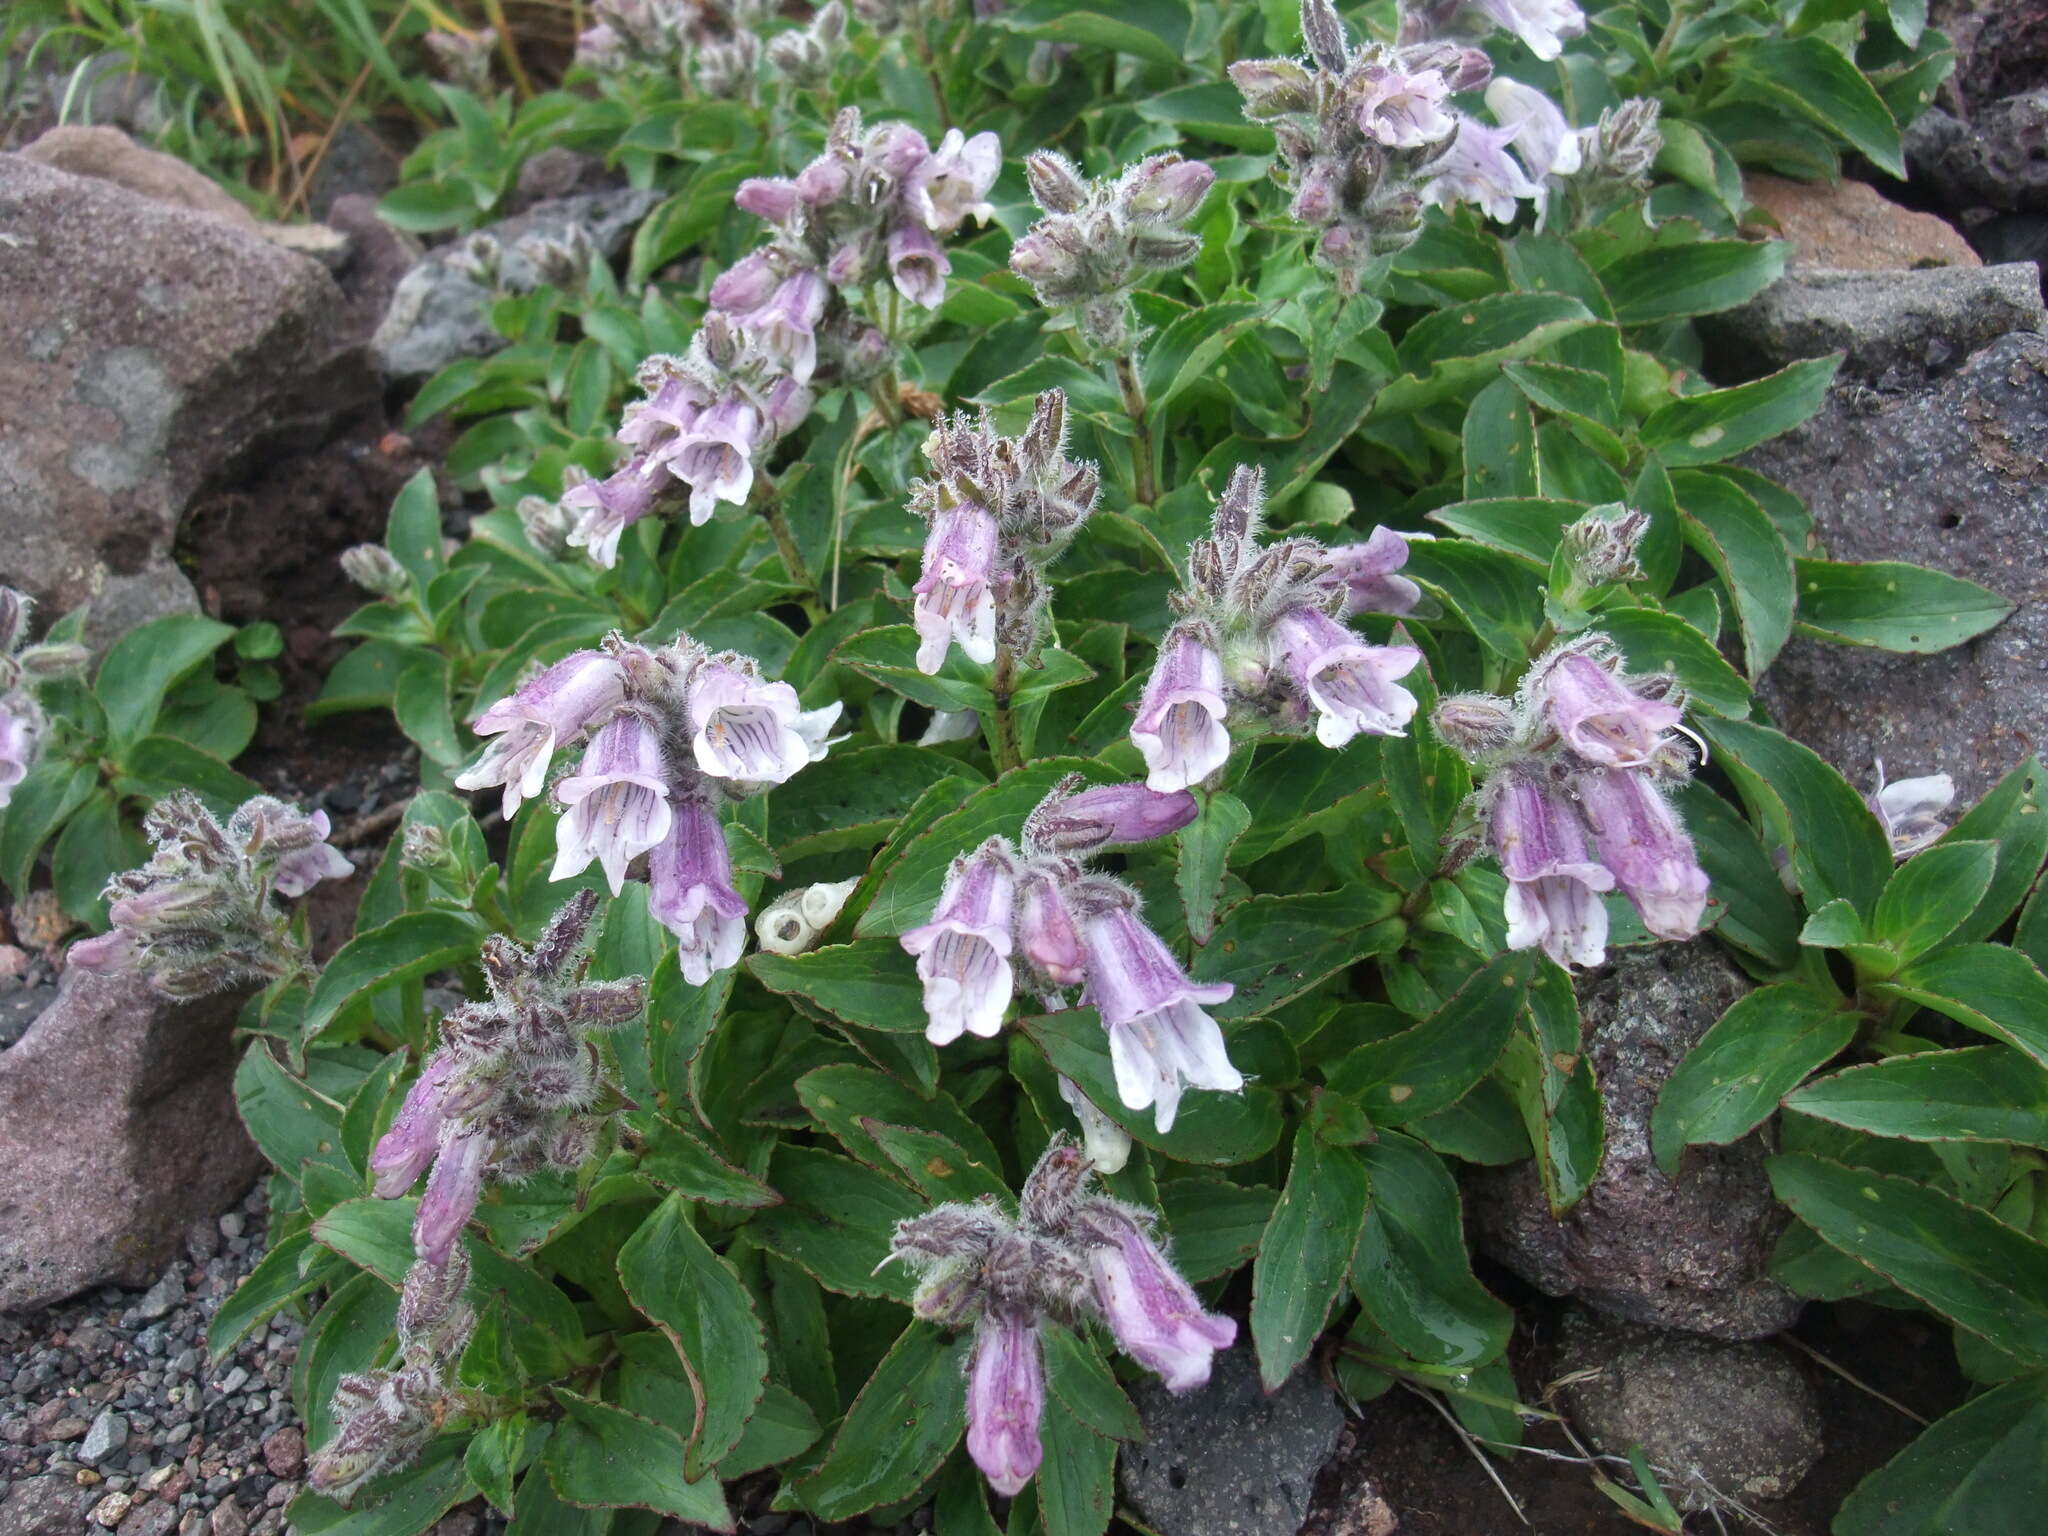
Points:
x=439, y=314
x=1954, y=477
x=1997, y=159
x=108, y=154
x=157, y=1300
x=117, y=1129
x=153, y=346
x=1227, y=1458
x=1715, y=1420
x=1688, y=1253
x=21, y=1008
x=43, y=1506
x=109, y=1433
x=1899, y=327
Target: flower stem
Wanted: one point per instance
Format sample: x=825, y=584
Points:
x=770, y=507
x=1003, y=729
x=1143, y=487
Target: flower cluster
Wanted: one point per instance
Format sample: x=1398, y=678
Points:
x=1584, y=752
x=1100, y=239
x=199, y=916
x=1258, y=647
x=782, y=321
x=1000, y=509
x=673, y=734
x=386, y=1417
x=1072, y=926
x=517, y=1085
x=1358, y=131
x=22, y=724
x=1068, y=1255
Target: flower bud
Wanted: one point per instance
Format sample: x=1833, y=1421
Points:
x=1474, y=725
x=1601, y=546
x=375, y=569
x=547, y=524
x=1167, y=188
x=478, y=258
x=770, y=198
x=43, y=662
x=425, y=847
x=558, y=261
x=1273, y=87
x=1056, y=185
x=1323, y=31
x=14, y=612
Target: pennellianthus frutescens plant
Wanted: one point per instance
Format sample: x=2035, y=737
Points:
x=1232, y=608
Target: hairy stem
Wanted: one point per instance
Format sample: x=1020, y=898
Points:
x=1143, y=486
x=1003, y=728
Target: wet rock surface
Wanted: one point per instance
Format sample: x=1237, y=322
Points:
x=1954, y=477
x=117, y=1131
x=171, y=1441
x=154, y=345
x=1228, y=1459
x=1716, y=1420
x=1690, y=1253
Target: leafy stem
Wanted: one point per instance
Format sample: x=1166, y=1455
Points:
x=1143, y=487
x=1003, y=727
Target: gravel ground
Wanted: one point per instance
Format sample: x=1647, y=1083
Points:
x=111, y=1418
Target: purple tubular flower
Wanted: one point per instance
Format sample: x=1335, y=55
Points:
x=1159, y=1037
x=453, y=1189
x=303, y=868
x=746, y=285
x=1403, y=110
x=403, y=1152
x=542, y=715
x=1478, y=169
x=656, y=423
x=1005, y=1396
x=955, y=602
x=1179, y=729
x=1544, y=25
x=786, y=324
x=963, y=953
x=1639, y=838
x=952, y=184
x=769, y=198
x=715, y=457
x=1600, y=718
x=1351, y=684
x=690, y=892
x=1156, y=1316
x=617, y=801
x=103, y=954
x=748, y=730
x=1114, y=813
x=605, y=509
x=1368, y=574
x=19, y=738
x=917, y=266
x=1045, y=930
x=1553, y=887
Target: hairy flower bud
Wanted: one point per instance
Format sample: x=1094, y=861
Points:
x=1476, y=726
x=1602, y=545
x=373, y=568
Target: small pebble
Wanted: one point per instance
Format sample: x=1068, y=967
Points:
x=284, y=1451
x=231, y=1224
x=111, y=1510
x=65, y=1429
x=109, y=1433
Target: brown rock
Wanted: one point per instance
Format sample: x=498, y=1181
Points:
x=117, y=1129
x=42, y=1506
x=1691, y=1252
x=1954, y=477
x=284, y=1451
x=1852, y=227
x=108, y=154
x=149, y=346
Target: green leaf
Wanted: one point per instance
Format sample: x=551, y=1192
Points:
x=426, y=714
x=144, y=664
x=835, y=1221
x=1153, y=30
x=373, y=1234
x=1894, y=606
x=1674, y=282
x=1425, y=1069
x=1215, y=1226
x=1526, y=527
x=42, y=802
x=1981, y=1469
x=1274, y=948
x=1931, y=893
x=291, y=1269
x=2013, y=817
x=1451, y=350
x=1977, y=1093
x=1758, y=1051
x=1737, y=538
x=840, y=1097
x=494, y=1456
x=676, y=1158
x=95, y=845
x=157, y=766
x=1087, y=391
x=1500, y=444
x=1213, y=1128
x=411, y=945
x=285, y=1117
x=1992, y=989
x=1205, y=847
x=600, y=1456
x=1076, y=1485
x=1083, y=1381
x=1722, y=423
x=871, y=983
x=422, y=207
x=1181, y=353
x=696, y=1298
x=412, y=533
x=1757, y=915
x=903, y=1425
x=1547, y=1069
x=400, y=1504
x=1964, y=1263
x=857, y=801
x=1836, y=845
x=1411, y=1272
x=1654, y=641
x=1306, y=1254
x=1810, y=76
